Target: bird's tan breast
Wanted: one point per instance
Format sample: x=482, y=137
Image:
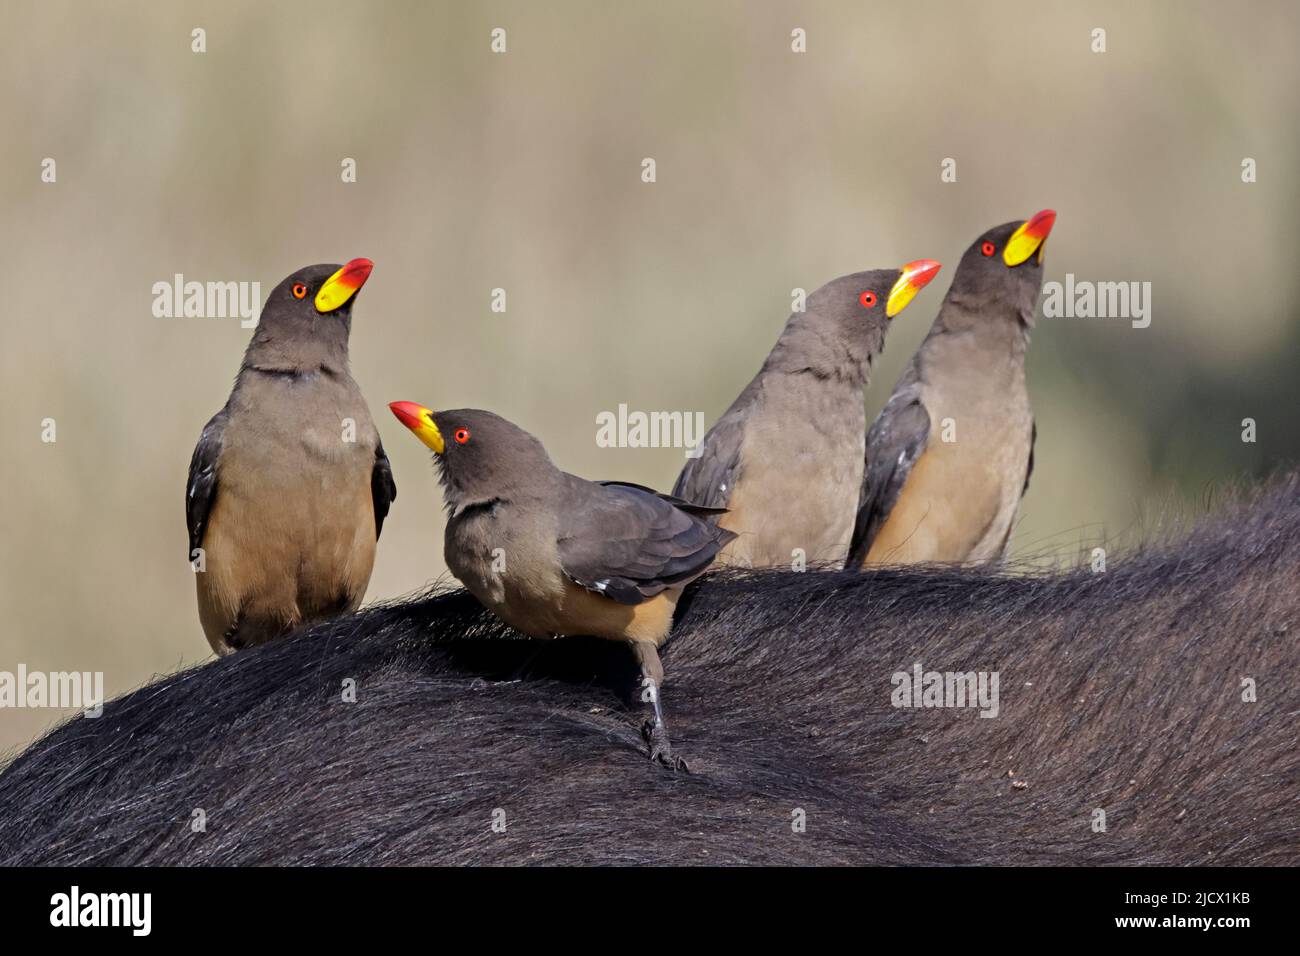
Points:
x=291, y=535
x=800, y=477
x=962, y=495
x=511, y=563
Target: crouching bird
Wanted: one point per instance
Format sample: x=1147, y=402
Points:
x=552, y=554
x=949, y=457
x=289, y=484
x=786, y=458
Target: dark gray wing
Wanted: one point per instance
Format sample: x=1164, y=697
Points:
x=1033, y=438
x=383, y=490
x=671, y=499
x=709, y=479
x=201, y=486
x=895, y=441
x=629, y=544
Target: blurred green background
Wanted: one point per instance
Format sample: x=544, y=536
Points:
x=522, y=170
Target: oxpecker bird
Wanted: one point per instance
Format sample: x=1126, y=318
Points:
x=289, y=484
x=950, y=455
x=552, y=554
x=785, y=459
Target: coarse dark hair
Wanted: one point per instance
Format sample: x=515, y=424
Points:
x=1127, y=692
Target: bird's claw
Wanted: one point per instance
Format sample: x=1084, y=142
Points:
x=661, y=750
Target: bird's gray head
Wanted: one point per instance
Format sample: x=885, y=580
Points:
x=307, y=319
x=1001, y=274
x=480, y=455
x=844, y=322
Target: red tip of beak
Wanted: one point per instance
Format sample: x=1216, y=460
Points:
x=408, y=413
x=356, y=272
x=920, y=272
x=1040, y=223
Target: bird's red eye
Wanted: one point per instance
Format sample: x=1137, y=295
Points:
x=299, y=290
x=868, y=299
x=988, y=249
x=462, y=435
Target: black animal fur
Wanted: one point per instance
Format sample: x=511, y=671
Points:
x=1119, y=691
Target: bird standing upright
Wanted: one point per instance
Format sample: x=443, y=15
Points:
x=289, y=484
x=786, y=458
x=950, y=455
x=553, y=554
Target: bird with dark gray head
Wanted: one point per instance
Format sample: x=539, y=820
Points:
x=289, y=484
x=949, y=457
x=553, y=554
x=786, y=458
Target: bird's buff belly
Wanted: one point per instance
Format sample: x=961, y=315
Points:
x=956, y=506
x=282, y=558
x=795, y=500
x=804, y=529
x=561, y=608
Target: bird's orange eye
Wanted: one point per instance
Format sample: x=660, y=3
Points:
x=988, y=249
x=299, y=290
x=462, y=436
x=868, y=299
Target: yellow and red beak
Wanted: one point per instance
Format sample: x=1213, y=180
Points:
x=343, y=285
x=914, y=278
x=419, y=420
x=1029, y=238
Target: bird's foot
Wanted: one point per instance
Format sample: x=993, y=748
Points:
x=661, y=751
x=234, y=642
